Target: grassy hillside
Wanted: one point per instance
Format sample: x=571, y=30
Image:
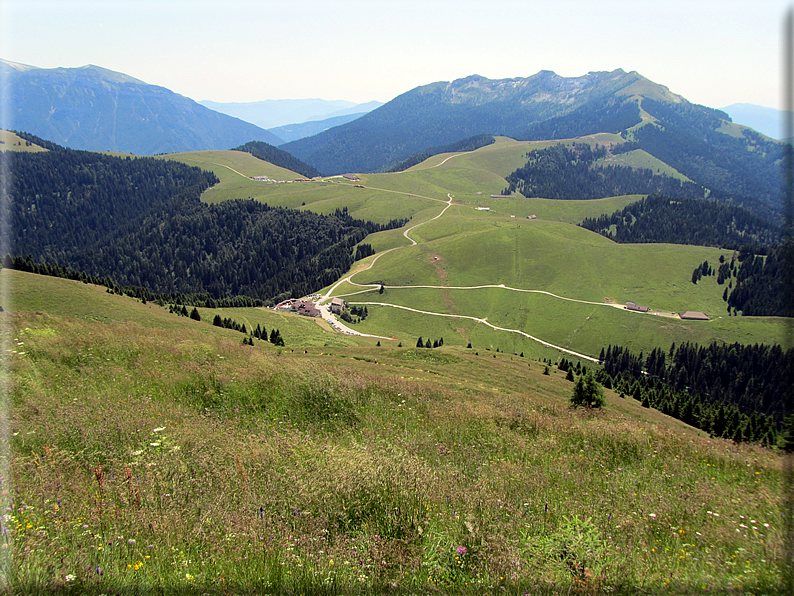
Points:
x=468, y=247
x=462, y=250
x=27, y=292
x=10, y=141
x=154, y=458
x=472, y=177
x=234, y=169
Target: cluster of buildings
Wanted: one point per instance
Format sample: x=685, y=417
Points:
x=308, y=308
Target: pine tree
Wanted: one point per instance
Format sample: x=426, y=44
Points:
x=420, y=343
x=587, y=392
x=786, y=441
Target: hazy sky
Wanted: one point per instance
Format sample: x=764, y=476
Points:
x=713, y=52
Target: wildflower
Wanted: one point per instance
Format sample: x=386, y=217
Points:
x=652, y=515
x=131, y=541
x=462, y=550
x=69, y=578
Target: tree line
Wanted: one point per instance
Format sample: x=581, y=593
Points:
x=278, y=157
x=702, y=222
x=735, y=391
x=743, y=169
x=139, y=224
x=571, y=172
x=64, y=200
x=761, y=284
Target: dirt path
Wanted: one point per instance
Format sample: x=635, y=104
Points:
x=321, y=304
x=491, y=325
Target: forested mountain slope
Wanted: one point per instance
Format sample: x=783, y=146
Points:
x=733, y=163
x=140, y=221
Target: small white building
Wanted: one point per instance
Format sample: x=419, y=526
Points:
x=337, y=305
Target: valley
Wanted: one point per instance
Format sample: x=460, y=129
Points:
x=545, y=278
x=171, y=431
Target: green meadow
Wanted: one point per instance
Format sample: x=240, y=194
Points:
x=154, y=454
x=470, y=247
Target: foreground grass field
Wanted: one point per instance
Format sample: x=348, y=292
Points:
x=153, y=458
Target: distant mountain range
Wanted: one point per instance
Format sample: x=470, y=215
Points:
x=98, y=109
x=272, y=113
x=293, y=132
x=768, y=121
x=94, y=108
x=734, y=163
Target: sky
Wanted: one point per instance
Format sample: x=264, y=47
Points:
x=715, y=53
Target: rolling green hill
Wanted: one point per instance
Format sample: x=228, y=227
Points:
x=350, y=463
x=469, y=247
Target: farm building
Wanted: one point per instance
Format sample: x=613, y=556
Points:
x=337, y=304
x=636, y=307
x=693, y=316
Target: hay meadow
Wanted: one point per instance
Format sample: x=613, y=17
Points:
x=154, y=458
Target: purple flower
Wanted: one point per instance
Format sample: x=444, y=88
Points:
x=462, y=550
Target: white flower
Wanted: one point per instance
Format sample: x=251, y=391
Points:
x=69, y=578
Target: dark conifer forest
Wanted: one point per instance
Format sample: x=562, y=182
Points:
x=141, y=223
x=659, y=218
x=735, y=391
x=569, y=172
x=757, y=284
x=278, y=157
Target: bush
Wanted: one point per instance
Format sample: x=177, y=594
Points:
x=587, y=392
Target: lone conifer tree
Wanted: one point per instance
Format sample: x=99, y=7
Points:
x=587, y=392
